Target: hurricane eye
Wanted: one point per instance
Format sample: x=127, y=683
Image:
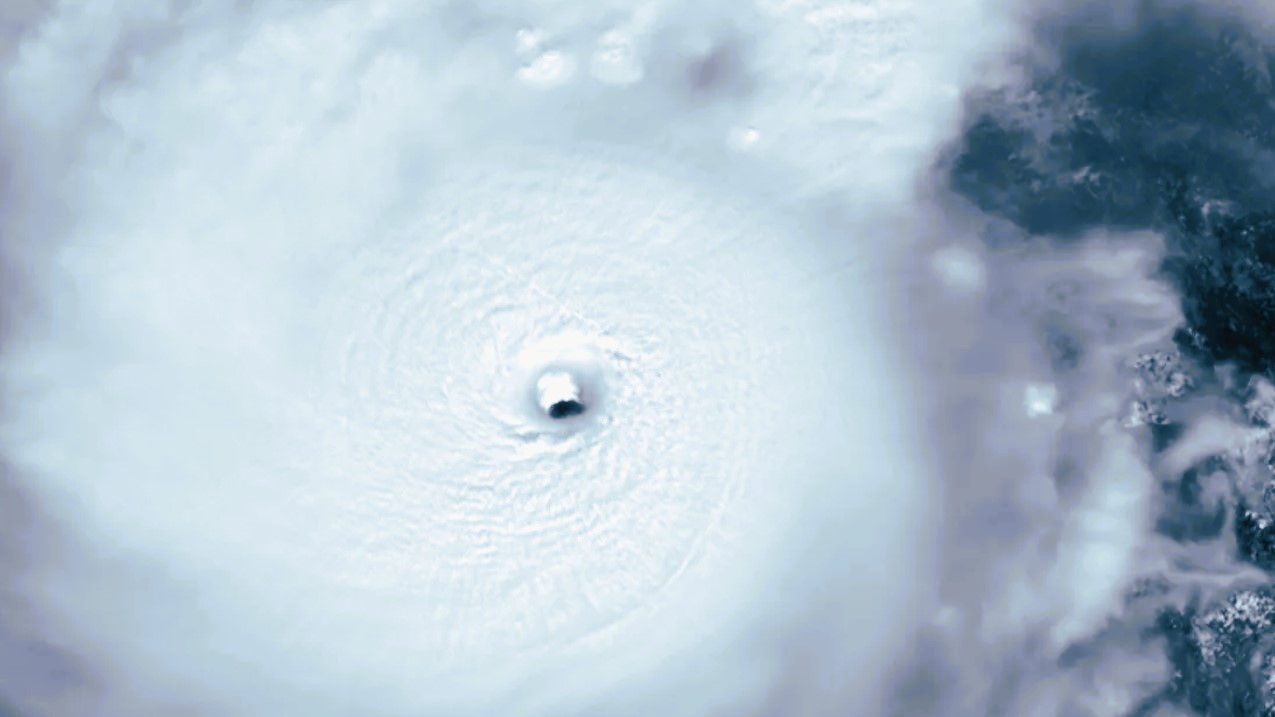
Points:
x=559, y=395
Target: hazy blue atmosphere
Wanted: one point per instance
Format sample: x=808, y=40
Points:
x=553, y=358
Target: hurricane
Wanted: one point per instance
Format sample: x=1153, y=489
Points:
x=782, y=358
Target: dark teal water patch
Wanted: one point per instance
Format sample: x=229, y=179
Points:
x=1121, y=124
x=1169, y=127
x=1213, y=653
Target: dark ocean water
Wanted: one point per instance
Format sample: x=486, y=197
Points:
x=1168, y=125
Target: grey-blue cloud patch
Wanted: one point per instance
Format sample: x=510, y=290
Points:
x=1164, y=124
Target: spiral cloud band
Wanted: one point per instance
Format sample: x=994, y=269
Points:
x=483, y=359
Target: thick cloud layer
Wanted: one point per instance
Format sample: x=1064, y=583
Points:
x=300, y=271
x=507, y=358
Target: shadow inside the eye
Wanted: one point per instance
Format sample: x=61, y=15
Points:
x=566, y=409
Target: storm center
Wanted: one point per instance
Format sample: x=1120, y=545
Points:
x=559, y=395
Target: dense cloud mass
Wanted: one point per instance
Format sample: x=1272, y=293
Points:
x=784, y=358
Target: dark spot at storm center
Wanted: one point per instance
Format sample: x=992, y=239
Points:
x=566, y=409
x=1166, y=124
x=561, y=395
